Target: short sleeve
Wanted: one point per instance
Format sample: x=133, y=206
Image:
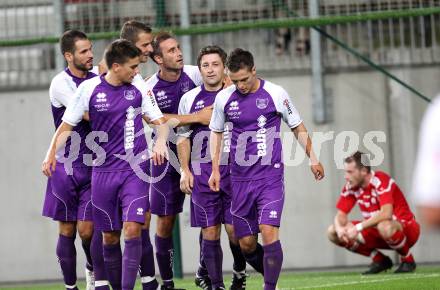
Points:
x=385, y=187
x=194, y=73
x=286, y=108
x=61, y=91
x=218, y=119
x=79, y=104
x=150, y=108
x=346, y=201
x=184, y=109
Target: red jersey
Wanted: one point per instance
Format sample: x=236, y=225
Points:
x=381, y=190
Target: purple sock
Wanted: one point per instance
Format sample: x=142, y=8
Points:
x=255, y=259
x=273, y=259
x=164, y=256
x=66, y=253
x=239, y=260
x=213, y=255
x=86, y=247
x=146, y=269
x=96, y=251
x=130, y=262
x=201, y=271
x=113, y=264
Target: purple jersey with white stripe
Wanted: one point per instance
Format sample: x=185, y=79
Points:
x=256, y=150
x=168, y=95
x=115, y=111
x=61, y=91
x=192, y=102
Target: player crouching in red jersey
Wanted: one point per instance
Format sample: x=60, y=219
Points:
x=388, y=221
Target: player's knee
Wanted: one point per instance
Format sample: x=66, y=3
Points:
x=331, y=233
x=132, y=230
x=269, y=234
x=67, y=229
x=211, y=233
x=386, y=229
x=165, y=226
x=85, y=230
x=110, y=238
x=248, y=245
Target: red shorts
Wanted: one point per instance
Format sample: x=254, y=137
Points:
x=373, y=239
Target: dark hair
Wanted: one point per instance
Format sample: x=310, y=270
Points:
x=158, y=39
x=120, y=51
x=211, y=49
x=239, y=59
x=360, y=159
x=68, y=40
x=132, y=28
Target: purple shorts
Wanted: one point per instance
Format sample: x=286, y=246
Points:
x=209, y=208
x=256, y=202
x=117, y=197
x=165, y=196
x=68, y=197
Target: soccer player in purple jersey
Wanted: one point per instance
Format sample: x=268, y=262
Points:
x=208, y=209
x=141, y=36
x=68, y=195
x=255, y=108
x=167, y=86
x=116, y=103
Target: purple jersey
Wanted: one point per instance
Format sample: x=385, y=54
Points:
x=115, y=111
x=194, y=101
x=256, y=150
x=61, y=91
x=168, y=94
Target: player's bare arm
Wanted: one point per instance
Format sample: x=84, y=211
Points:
x=160, y=150
x=303, y=138
x=385, y=214
x=184, y=154
x=59, y=138
x=203, y=117
x=214, y=147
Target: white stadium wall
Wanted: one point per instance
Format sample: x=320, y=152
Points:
x=360, y=103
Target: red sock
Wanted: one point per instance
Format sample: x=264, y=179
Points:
x=398, y=242
x=377, y=256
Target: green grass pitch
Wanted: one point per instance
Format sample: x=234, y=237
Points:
x=426, y=277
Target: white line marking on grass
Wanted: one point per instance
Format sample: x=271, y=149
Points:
x=367, y=281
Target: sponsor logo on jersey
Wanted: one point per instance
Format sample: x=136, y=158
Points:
x=185, y=86
x=286, y=103
x=233, y=106
x=101, y=102
x=226, y=139
x=161, y=95
x=261, y=136
x=273, y=214
x=129, y=95
x=140, y=211
x=101, y=98
x=262, y=103
x=129, y=129
x=200, y=105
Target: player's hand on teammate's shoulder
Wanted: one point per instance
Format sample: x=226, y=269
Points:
x=186, y=181
x=317, y=170
x=49, y=163
x=204, y=115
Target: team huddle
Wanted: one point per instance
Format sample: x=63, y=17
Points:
x=216, y=137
